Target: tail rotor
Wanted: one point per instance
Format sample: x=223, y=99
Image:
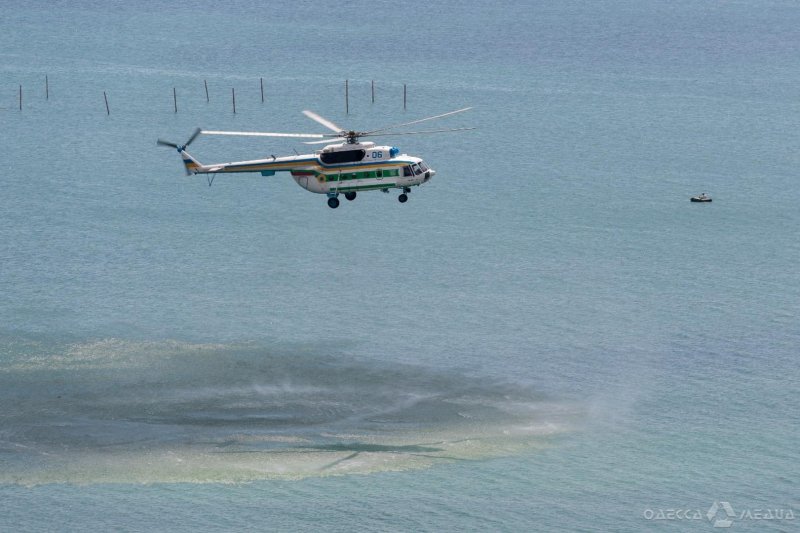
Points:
x=180, y=147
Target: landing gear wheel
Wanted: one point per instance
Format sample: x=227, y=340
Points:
x=333, y=203
x=350, y=195
x=403, y=198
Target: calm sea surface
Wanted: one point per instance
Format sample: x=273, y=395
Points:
x=547, y=336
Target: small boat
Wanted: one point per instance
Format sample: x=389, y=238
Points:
x=701, y=198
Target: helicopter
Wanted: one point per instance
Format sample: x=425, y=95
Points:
x=347, y=167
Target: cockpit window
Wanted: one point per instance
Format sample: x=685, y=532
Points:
x=416, y=169
x=407, y=171
x=423, y=166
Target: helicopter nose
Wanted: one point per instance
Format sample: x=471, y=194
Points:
x=429, y=174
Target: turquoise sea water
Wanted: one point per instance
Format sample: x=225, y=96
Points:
x=547, y=336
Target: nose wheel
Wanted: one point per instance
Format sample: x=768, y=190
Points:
x=333, y=202
x=403, y=198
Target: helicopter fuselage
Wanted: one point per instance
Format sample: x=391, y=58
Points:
x=362, y=167
x=337, y=168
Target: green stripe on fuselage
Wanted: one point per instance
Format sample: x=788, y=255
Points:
x=368, y=175
x=347, y=188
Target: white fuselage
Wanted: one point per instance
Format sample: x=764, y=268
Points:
x=336, y=168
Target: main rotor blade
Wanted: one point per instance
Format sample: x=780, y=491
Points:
x=391, y=134
x=324, y=121
x=265, y=134
x=162, y=142
x=324, y=141
x=418, y=121
x=193, y=137
x=412, y=132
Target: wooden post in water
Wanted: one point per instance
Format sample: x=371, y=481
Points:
x=46, y=88
x=233, y=98
x=20, y=97
x=206, y=84
x=175, y=99
x=262, y=90
x=373, y=91
x=105, y=97
x=346, y=97
x=404, y=97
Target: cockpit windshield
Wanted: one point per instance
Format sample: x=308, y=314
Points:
x=416, y=168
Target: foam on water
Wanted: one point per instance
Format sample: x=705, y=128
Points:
x=122, y=411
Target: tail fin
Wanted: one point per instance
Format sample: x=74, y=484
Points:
x=193, y=166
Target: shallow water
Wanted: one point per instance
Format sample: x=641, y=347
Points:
x=117, y=411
